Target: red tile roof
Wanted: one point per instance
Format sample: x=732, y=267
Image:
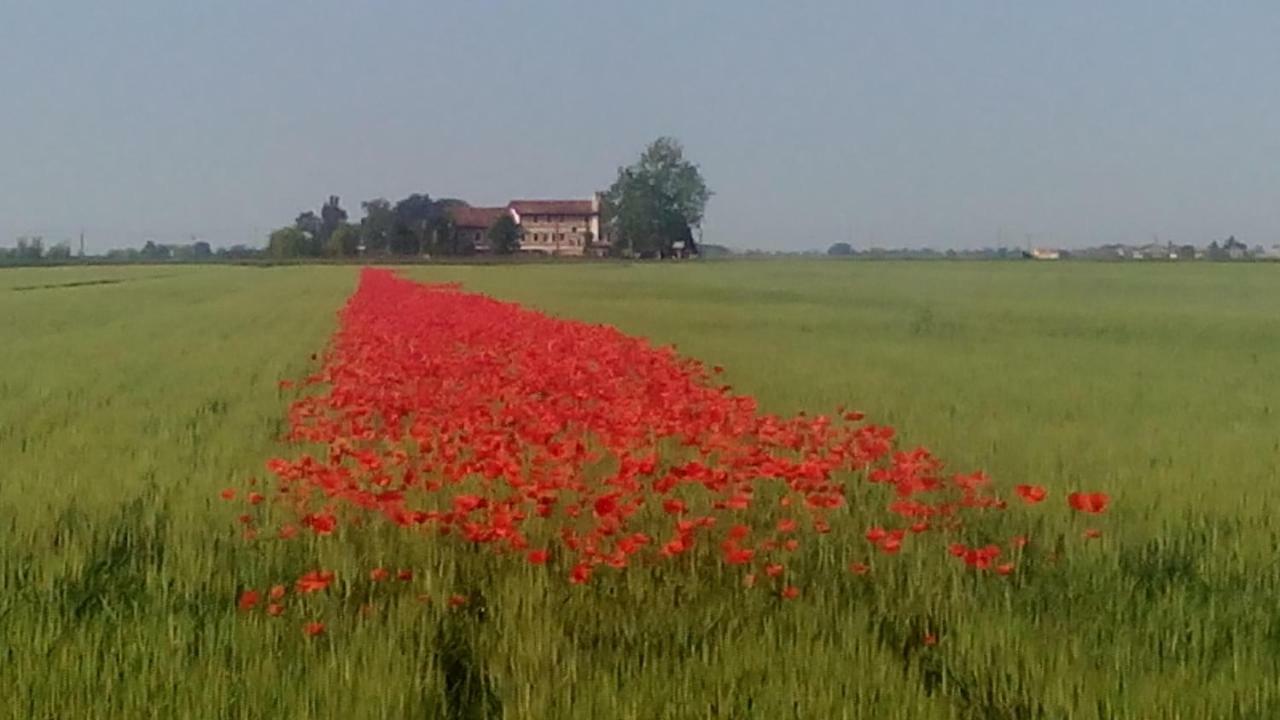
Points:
x=552, y=207
x=476, y=217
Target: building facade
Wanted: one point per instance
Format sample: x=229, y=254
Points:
x=559, y=227
x=471, y=225
x=549, y=227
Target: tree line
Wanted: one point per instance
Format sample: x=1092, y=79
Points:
x=651, y=210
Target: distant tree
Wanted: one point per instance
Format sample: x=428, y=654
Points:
x=378, y=225
x=29, y=248
x=310, y=224
x=59, y=252
x=1187, y=252
x=840, y=248
x=238, y=252
x=200, y=250
x=344, y=241
x=655, y=201
x=288, y=242
x=331, y=216
x=504, y=235
x=152, y=251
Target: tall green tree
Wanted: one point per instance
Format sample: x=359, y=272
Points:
x=504, y=235
x=378, y=225
x=656, y=201
x=288, y=242
x=344, y=241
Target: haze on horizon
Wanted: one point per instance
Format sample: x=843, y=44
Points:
x=929, y=124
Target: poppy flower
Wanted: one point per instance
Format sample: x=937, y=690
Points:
x=228, y=494
x=456, y=600
x=773, y=569
x=379, y=574
x=404, y=575
x=1093, y=533
x=790, y=592
x=929, y=639
x=580, y=574
x=314, y=581
x=275, y=609
x=313, y=629
x=248, y=600
x=674, y=506
x=859, y=568
x=1031, y=494
x=1089, y=502
x=418, y=436
x=277, y=592
x=1004, y=569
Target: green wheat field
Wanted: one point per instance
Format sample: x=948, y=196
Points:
x=130, y=396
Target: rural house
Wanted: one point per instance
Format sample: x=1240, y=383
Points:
x=551, y=227
x=471, y=224
x=558, y=227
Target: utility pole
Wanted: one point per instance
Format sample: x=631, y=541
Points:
x=81, y=242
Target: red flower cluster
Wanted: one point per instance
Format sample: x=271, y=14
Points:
x=457, y=415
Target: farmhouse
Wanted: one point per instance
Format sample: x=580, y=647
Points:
x=551, y=227
x=472, y=224
x=558, y=227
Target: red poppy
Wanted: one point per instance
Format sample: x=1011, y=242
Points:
x=674, y=506
x=859, y=568
x=474, y=421
x=275, y=609
x=791, y=592
x=379, y=574
x=456, y=600
x=929, y=639
x=404, y=575
x=228, y=494
x=248, y=600
x=580, y=574
x=314, y=581
x=277, y=592
x=1089, y=502
x=313, y=629
x=1004, y=569
x=1031, y=494
x=1093, y=533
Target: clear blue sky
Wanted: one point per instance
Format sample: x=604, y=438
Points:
x=891, y=123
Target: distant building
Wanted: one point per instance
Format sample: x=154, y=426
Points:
x=559, y=227
x=550, y=227
x=471, y=224
x=1045, y=254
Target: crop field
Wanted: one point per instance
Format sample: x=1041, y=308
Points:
x=792, y=489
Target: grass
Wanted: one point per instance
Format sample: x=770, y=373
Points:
x=126, y=405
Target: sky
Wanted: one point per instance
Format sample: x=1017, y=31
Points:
x=956, y=124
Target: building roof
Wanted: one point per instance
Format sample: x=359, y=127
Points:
x=476, y=217
x=552, y=207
